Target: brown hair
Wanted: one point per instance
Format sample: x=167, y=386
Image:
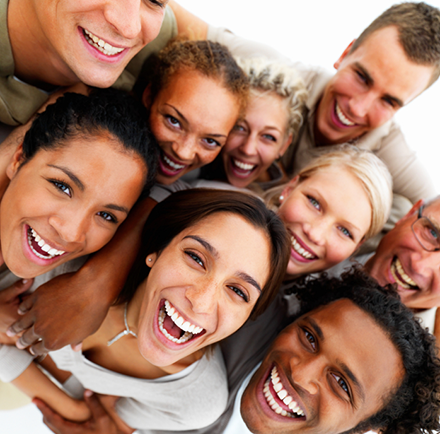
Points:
x=211, y=59
x=418, y=25
x=186, y=208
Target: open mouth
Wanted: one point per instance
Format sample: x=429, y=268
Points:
x=174, y=327
x=39, y=247
x=242, y=169
x=341, y=117
x=298, y=248
x=399, y=274
x=170, y=167
x=100, y=44
x=278, y=399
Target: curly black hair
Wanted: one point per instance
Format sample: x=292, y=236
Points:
x=413, y=406
x=104, y=111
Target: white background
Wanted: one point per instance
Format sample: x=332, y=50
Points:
x=314, y=32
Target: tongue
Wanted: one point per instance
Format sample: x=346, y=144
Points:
x=171, y=328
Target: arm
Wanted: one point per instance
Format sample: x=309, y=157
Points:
x=99, y=423
x=35, y=384
x=187, y=23
x=72, y=306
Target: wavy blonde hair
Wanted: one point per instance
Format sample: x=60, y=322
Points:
x=268, y=76
x=371, y=172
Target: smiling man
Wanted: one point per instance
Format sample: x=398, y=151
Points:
x=45, y=44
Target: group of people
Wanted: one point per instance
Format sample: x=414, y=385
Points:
x=163, y=242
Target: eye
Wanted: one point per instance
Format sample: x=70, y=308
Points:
x=211, y=143
x=389, y=102
x=310, y=338
x=62, y=187
x=238, y=128
x=195, y=258
x=362, y=77
x=314, y=202
x=107, y=216
x=172, y=121
x=342, y=384
x=239, y=292
x=161, y=4
x=345, y=232
x=270, y=137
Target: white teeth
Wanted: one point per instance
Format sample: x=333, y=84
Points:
x=342, y=118
x=282, y=395
x=243, y=166
x=51, y=252
x=101, y=45
x=174, y=165
x=401, y=277
x=297, y=247
x=186, y=326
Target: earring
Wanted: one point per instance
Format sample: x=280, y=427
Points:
x=149, y=259
x=281, y=198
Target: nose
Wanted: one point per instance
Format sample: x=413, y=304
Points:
x=185, y=150
x=307, y=373
x=71, y=228
x=203, y=297
x=316, y=231
x=249, y=146
x=360, y=104
x=125, y=17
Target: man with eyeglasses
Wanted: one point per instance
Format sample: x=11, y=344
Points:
x=409, y=256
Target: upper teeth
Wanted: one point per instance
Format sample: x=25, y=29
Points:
x=101, y=45
x=186, y=326
x=51, y=252
x=297, y=247
x=282, y=395
x=342, y=117
x=174, y=165
x=243, y=166
x=400, y=274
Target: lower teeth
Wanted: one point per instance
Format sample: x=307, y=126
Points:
x=186, y=336
x=39, y=255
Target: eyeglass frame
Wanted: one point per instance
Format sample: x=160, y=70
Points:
x=419, y=217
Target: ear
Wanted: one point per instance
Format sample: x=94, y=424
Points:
x=146, y=97
x=15, y=162
x=289, y=187
x=151, y=259
x=286, y=144
x=411, y=212
x=337, y=64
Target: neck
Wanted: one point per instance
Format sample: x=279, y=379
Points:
x=36, y=61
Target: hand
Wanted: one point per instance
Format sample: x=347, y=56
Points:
x=99, y=423
x=63, y=311
x=9, y=301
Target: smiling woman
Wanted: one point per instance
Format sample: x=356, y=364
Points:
x=203, y=271
x=66, y=197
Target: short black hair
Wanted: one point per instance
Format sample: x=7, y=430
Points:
x=413, y=406
x=104, y=111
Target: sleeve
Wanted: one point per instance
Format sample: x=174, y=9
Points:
x=243, y=47
x=13, y=362
x=160, y=192
x=410, y=177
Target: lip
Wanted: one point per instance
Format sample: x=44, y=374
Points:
x=299, y=258
x=166, y=342
x=29, y=254
x=336, y=120
x=116, y=58
x=240, y=173
x=166, y=170
x=267, y=410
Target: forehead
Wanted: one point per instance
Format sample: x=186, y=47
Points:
x=384, y=59
x=269, y=107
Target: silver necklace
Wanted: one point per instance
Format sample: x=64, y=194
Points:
x=125, y=332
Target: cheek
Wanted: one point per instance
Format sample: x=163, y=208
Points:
x=338, y=250
x=204, y=156
x=234, y=141
x=292, y=212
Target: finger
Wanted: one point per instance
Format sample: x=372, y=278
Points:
x=20, y=325
x=16, y=289
x=77, y=347
x=98, y=411
x=27, y=338
x=26, y=305
x=38, y=349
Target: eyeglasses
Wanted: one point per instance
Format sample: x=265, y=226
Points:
x=426, y=232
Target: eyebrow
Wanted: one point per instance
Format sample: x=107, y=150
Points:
x=81, y=186
x=186, y=120
x=370, y=82
x=211, y=249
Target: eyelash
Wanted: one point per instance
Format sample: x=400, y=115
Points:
x=342, y=384
x=107, y=216
x=161, y=4
x=213, y=144
x=195, y=258
x=345, y=232
x=61, y=186
x=361, y=77
x=270, y=137
x=310, y=338
x=239, y=292
x=172, y=121
x=314, y=202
